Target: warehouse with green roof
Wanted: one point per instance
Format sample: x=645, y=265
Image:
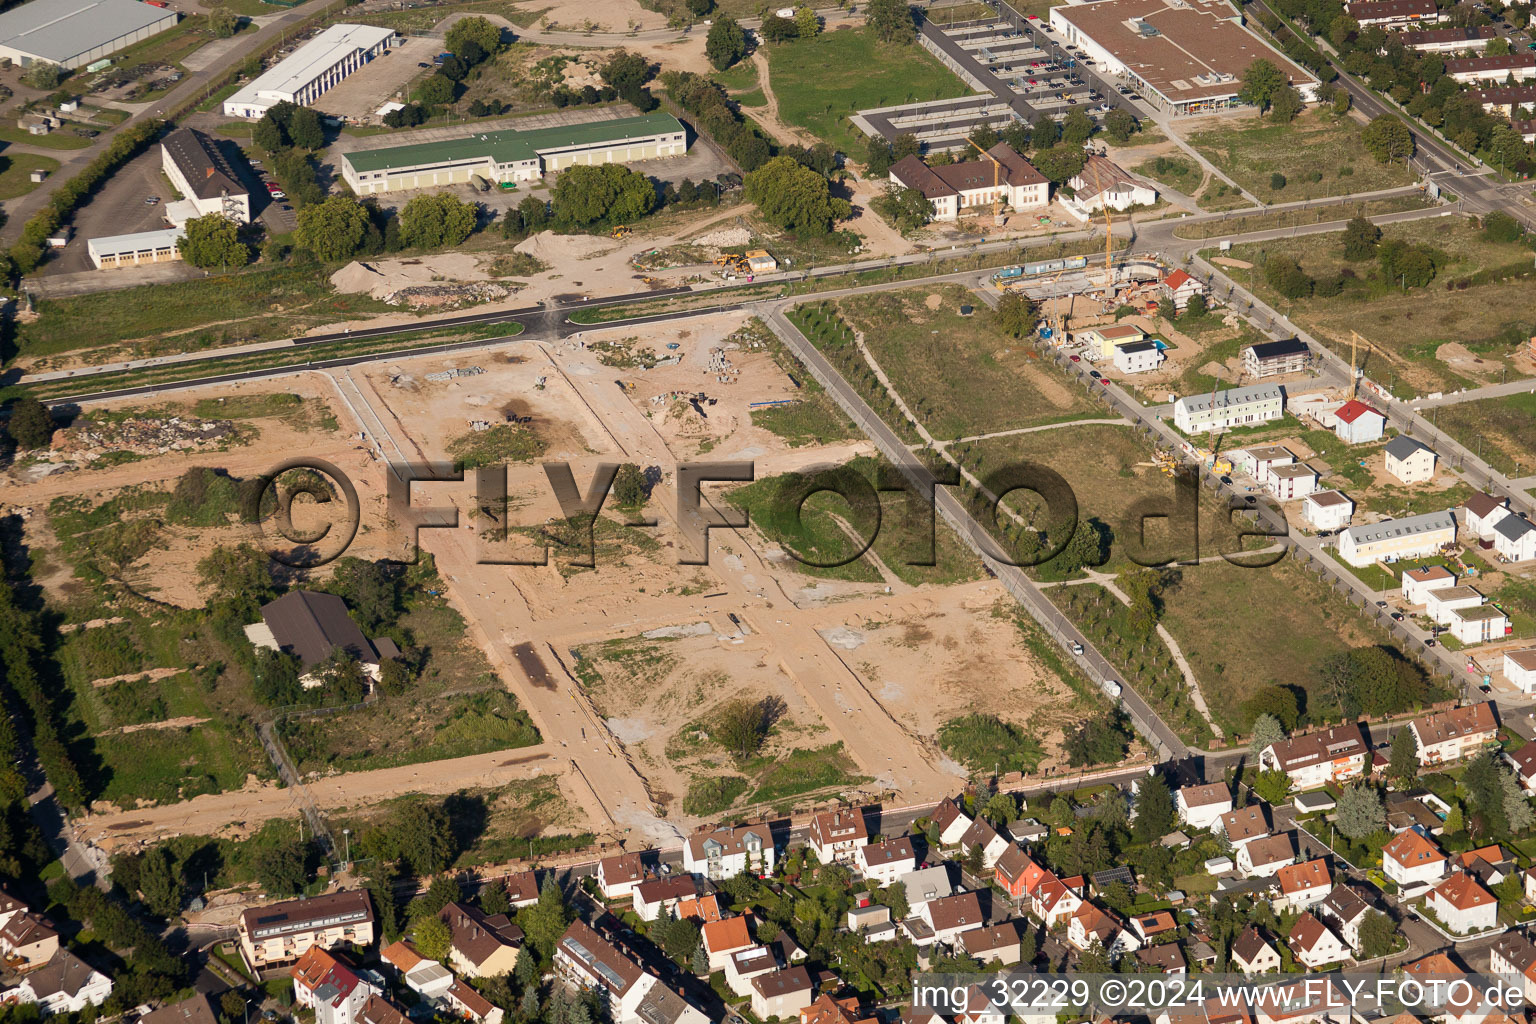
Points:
x=513, y=156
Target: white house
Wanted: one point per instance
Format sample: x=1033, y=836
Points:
x=1463, y=906
x=723, y=939
x=1313, y=760
x=1357, y=423
x=727, y=852
x=951, y=822
x=1234, y=407
x=328, y=987
x=1288, y=483
x=1520, y=669
x=747, y=964
x=1315, y=944
x=1412, y=860
x=836, y=835
x=658, y=896
x=884, y=863
x=1411, y=537
x=1514, y=953
x=1138, y=357
x=1448, y=736
x=1179, y=287
x=427, y=978
x=927, y=884
x=1057, y=899
x=1091, y=924
x=1523, y=762
x=1328, y=510
x=1519, y=66
x=1263, y=858
x=1252, y=953
x=1304, y=885
x=1259, y=460
x=1345, y=910
x=981, y=834
x=1418, y=583
x=1410, y=461
x=618, y=876
x=1393, y=15
x=1479, y=624
x=1481, y=513
x=587, y=961
x=1440, y=603
x=951, y=915
x=1203, y=806
x=198, y=169
x=1003, y=176
x=1245, y=824
x=1273, y=358
x=1103, y=183
x=65, y=984
x=1514, y=538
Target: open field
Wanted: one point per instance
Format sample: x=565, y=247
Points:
x=1317, y=144
x=16, y=172
x=819, y=82
x=1301, y=216
x=1501, y=430
x=1440, y=337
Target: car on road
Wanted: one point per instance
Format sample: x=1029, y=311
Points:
x=1103, y=382
x=1430, y=642
x=422, y=64
x=151, y=200
x=1381, y=604
x=1077, y=648
x=1095, y=374
x=278, y=193
x=1397, y=616
x=1077, y=359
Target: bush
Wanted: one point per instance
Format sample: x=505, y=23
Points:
x=1277, y=181
x=986, y=743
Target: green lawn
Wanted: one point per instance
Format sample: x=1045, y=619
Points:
x=819, y=82
x=16, y=172
x=59, y=138
x=1503, y=430
x=1317, y=142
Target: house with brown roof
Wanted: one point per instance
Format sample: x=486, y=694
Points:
x=1315, y=759
x=27, y=941
x=1093, y=924
x=1447, y=736
x=1393, y=14
x=951, y=821
x=951, y=915
x=1154, y=925
x=617, y=876
x=1417, y=583
x=1017, y=873
x=1463, y=906
x=313, y=626
x=379, y=1010
x=280, y=933
x=522, y=889
x=480, y=946
x=1514, y=953
x=1203, y=806
x=1245, y=824
x=727, y=852
x=1489, y=864
x=703, y=909
x=587, y=961
x=1252, y=953
x=65, y=984
x=1304, y=885
x=209, y=184
x=1166, y=958
x=885, y=863
x=782, y=994
x=1101, y=183
x=470, y=1005
x=836, y=835
x=1523, y=761
x=1344, y=910
x=723, y=939
x=1481, y=513
x=1263, y=858
x=195, y=1009
x=1057, y=899
x=1315, y=944
x=828, y=1010
x=982, y=835
x=999, y=943
x=654, y=897
x=975, y=185
x=747, y=964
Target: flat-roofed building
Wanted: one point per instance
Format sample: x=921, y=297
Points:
x=1184, y=56
x=312, y=70
x=1479, y=624
x=1234, y=407
x=135, y=250
x=1410, y=537
x=280, y=933
x=1290, y=482
x=513, y=156
x=1449, y=40
x=74, y=33
x=1520, y=669
x=1328, y=510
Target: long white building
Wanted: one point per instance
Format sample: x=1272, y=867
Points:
x=74, y=33
x=312, y=69
x=1391, y=539
x=1234, y=407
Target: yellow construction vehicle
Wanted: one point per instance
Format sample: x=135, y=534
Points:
x=620, y=231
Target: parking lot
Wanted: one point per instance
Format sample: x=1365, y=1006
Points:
x=118, y=209
x=358, y=96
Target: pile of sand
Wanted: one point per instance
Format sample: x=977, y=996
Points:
x=383, y=277
x=725, y=237
x=555, y=249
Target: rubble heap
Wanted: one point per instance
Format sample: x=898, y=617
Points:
x=89, y=440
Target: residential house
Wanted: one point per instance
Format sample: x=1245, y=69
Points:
x=1315, y=944
x=1354, y=422
x=1203, y=806
x=1179, y=287
x=1412, y=860
x=379, y=1010
x=1028, y=830
x=998, y=943
x=1448, y=736
x=1004, y=176
x=1482, y=512
x=782, y=994
x=1490, y=865
x=1103, y=183
x=1345, y=910
x=1518, y=66
x=1410, y=537
x=951, y=822
x=1514, y=539
x=618, y=876
x=1018, y=874
x=280, y=933
x=703, y=909
x=871, y=919
x=65, y=984
x=1419, y=583
x=1523, y=761
x=1439, y=604
x=927, y=884
x=1138, y=357
x=1479, y=624
x=1393, y=15
x=827, y=1010
x=1520, y=669
x=1263, y=858
x=1206, y=412
x=329, y=987
x=1154, y=925
x=1528, y=880
x=195, y=1009
x=661, y=895
x=1260, y=459
x=313, y=626
x=1273, y=358
x=1411, y=461
x=723, y=939
x=1245, y=824
x=1463, y=906
x=727, y=852
x=836, y=835
x=1450, y=40
x=522, y=888
x=1058, y=899
x=661, y=1005
x=884, y=863
x=427, y=978
x=1313, y=760
x=1326, y=511
x=1092, y=924
x=981, y=835
x=746, y=964
x=587, y=961
x=27, y=940
x=951, y=915
x=1514, y=953
x=1304, y=885
x=1099, y=343
x=1163, y=959
x=481, y=946
x=470, y=1005
x=1252, y=953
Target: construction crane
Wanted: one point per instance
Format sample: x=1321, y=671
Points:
x=1109, y=233
x=997, y=192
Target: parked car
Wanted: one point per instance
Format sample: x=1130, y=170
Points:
x=1095, y=374
x=151, y=200
x=279, y=194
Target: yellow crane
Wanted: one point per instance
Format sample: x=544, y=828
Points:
x=997, y=193
x=1109, y=231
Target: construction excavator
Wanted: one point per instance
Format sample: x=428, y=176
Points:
x=732, y=263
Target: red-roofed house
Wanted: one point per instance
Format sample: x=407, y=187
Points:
x=836, y=835
x=1091, y=924
x=724, y=938
x=1463, y=905
x=618, y=876
x=1411, y=859
x=1180, y=288
x=1305, y=884
x=1357, y=423
x=1314, y=943
x=329, y=987
x=1058, y=899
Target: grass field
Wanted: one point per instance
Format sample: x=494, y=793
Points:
x=16, y=172
x=814, y=418
x=1441, y=337
x=1293, y=218
x=59, y=138
x=1502, y=430
x=960, y=376
x=1178, y=171
x=1316, y=143
x=819, y=82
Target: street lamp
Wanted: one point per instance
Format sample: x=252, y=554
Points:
x=346, y=837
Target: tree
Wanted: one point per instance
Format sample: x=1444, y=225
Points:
x=437, y=220
x=432, y=937
x=31, y=424
x=1000, y=809
x=1119, y=125
x=807, y=24
x=1273, y=787
x=742, y=725
x=480, y=32
x=1360, y=239
x=906, y=208
x=1196, y=307
x=1497, y=47
x=445, y=889
x=699, y=8
x=1378, y=934
x=280, y=869
x=1276, y=181
x=1060, y=162
x=586, y=195
x=1029, y=943
x=1261, y=80
x=43, y=75
x=1077, y=128
x=160, y=883
x=535, y=214
x=877, y=158
x=223, y=22
x=1045, y=133
x=795, y=197
x=1374, y=680
x=435, y=90
x=726, y=43
x=304, y=129
x=1285, y=276
x=1154, y=810
x=778, y=30
x=1517, y=809
x=333, y=229
x=1360, y=813
x=1101, y=740
x=627, y=73
x=890, y=21
x=240, y=575
x=1017, y=314
x=1387, y=138
x=1285, y=104
x=213, y=240
x=629, y=486
x=268, y=135
x=419, y=836
x=895, y=897
x=545, y=921
x=1403, y=764
x=1266, y=730
x=1501, y=227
